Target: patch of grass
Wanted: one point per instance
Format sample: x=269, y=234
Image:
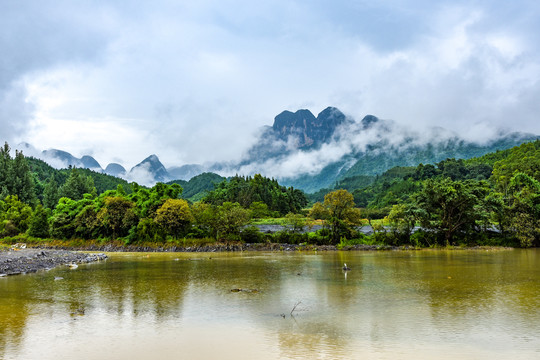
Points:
x=283, y=221
x=364, y=240
x=190, y=242
x=269, y=221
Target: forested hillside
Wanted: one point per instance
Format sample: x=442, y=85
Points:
x=492, y=199
x=39, y=201
x=198, y=186
x=457, y=198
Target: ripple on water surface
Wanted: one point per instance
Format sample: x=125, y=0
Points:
x=461, y=304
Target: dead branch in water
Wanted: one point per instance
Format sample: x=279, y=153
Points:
x=294, y=307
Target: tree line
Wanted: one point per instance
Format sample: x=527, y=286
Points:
x=76, y=210
x=494, y=199
x=482, y=200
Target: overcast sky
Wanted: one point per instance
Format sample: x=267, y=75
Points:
x=192, y=81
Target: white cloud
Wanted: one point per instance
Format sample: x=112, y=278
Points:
x=142, y=175
x=193, y=81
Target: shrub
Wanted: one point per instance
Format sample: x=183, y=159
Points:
x=251, y=234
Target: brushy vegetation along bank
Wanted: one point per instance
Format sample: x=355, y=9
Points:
x=212, y=246
x=187, y=245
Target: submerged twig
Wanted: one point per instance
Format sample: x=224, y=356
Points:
x=294, y=307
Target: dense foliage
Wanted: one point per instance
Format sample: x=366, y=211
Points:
x=496, y=195
x=494, y=199
x=69, y=206
x=249, y=190
x=15, y=176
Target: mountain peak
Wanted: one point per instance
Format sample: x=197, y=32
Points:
x=115, y=169
x=309, y=131
x=151, y=168
x=89, y=162
x=152, y=158
x=369, y=120
x=288, y=120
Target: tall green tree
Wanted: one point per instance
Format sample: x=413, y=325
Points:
x=77, y=185
x=39, y=224
x=450, y=207
x=15, y=176
x=51, y=194
x=5, y=169
x=23, y=182
x=525, y=209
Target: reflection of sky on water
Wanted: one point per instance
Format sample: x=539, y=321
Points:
x=451, y=303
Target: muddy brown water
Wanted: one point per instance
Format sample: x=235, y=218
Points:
x=472, y=304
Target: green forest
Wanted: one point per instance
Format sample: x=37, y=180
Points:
x=489, y=200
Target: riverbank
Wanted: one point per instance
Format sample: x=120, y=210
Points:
x=213, y=247
x=23, y=261
x=45, y=256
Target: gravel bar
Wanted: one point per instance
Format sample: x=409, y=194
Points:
x=25, y=261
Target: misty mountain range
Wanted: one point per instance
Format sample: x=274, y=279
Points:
x=310, y=152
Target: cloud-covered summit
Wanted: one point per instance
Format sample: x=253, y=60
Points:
x=193, y=81
x=311, y=152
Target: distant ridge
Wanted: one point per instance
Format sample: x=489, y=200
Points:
x=87, y=161
x=115, y=169
x=312, y=152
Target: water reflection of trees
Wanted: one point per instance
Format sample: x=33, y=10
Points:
x=420, y=296
x=397, y=295
x=143, y=286
x=13, y=315
x=131, y=288
x=467, y=291
x=460, y=283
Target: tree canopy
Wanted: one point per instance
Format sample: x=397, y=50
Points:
x=247, y=190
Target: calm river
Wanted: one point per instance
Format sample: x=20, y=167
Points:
x=390, y=305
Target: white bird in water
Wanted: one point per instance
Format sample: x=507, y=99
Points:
x=345, y=267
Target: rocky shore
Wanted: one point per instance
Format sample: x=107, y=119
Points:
x=219, y=247
x=22, y=261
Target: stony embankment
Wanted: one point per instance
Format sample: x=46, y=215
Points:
x=22, y=261
x=218, y=247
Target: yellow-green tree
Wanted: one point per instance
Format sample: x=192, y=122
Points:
x=230, y=218
x=402, y=220
x=117, y=215
x=318, y=212
x=339, y=214
x=295, y=222
x=174, y=216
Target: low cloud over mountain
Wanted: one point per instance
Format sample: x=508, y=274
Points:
x=311, y=152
